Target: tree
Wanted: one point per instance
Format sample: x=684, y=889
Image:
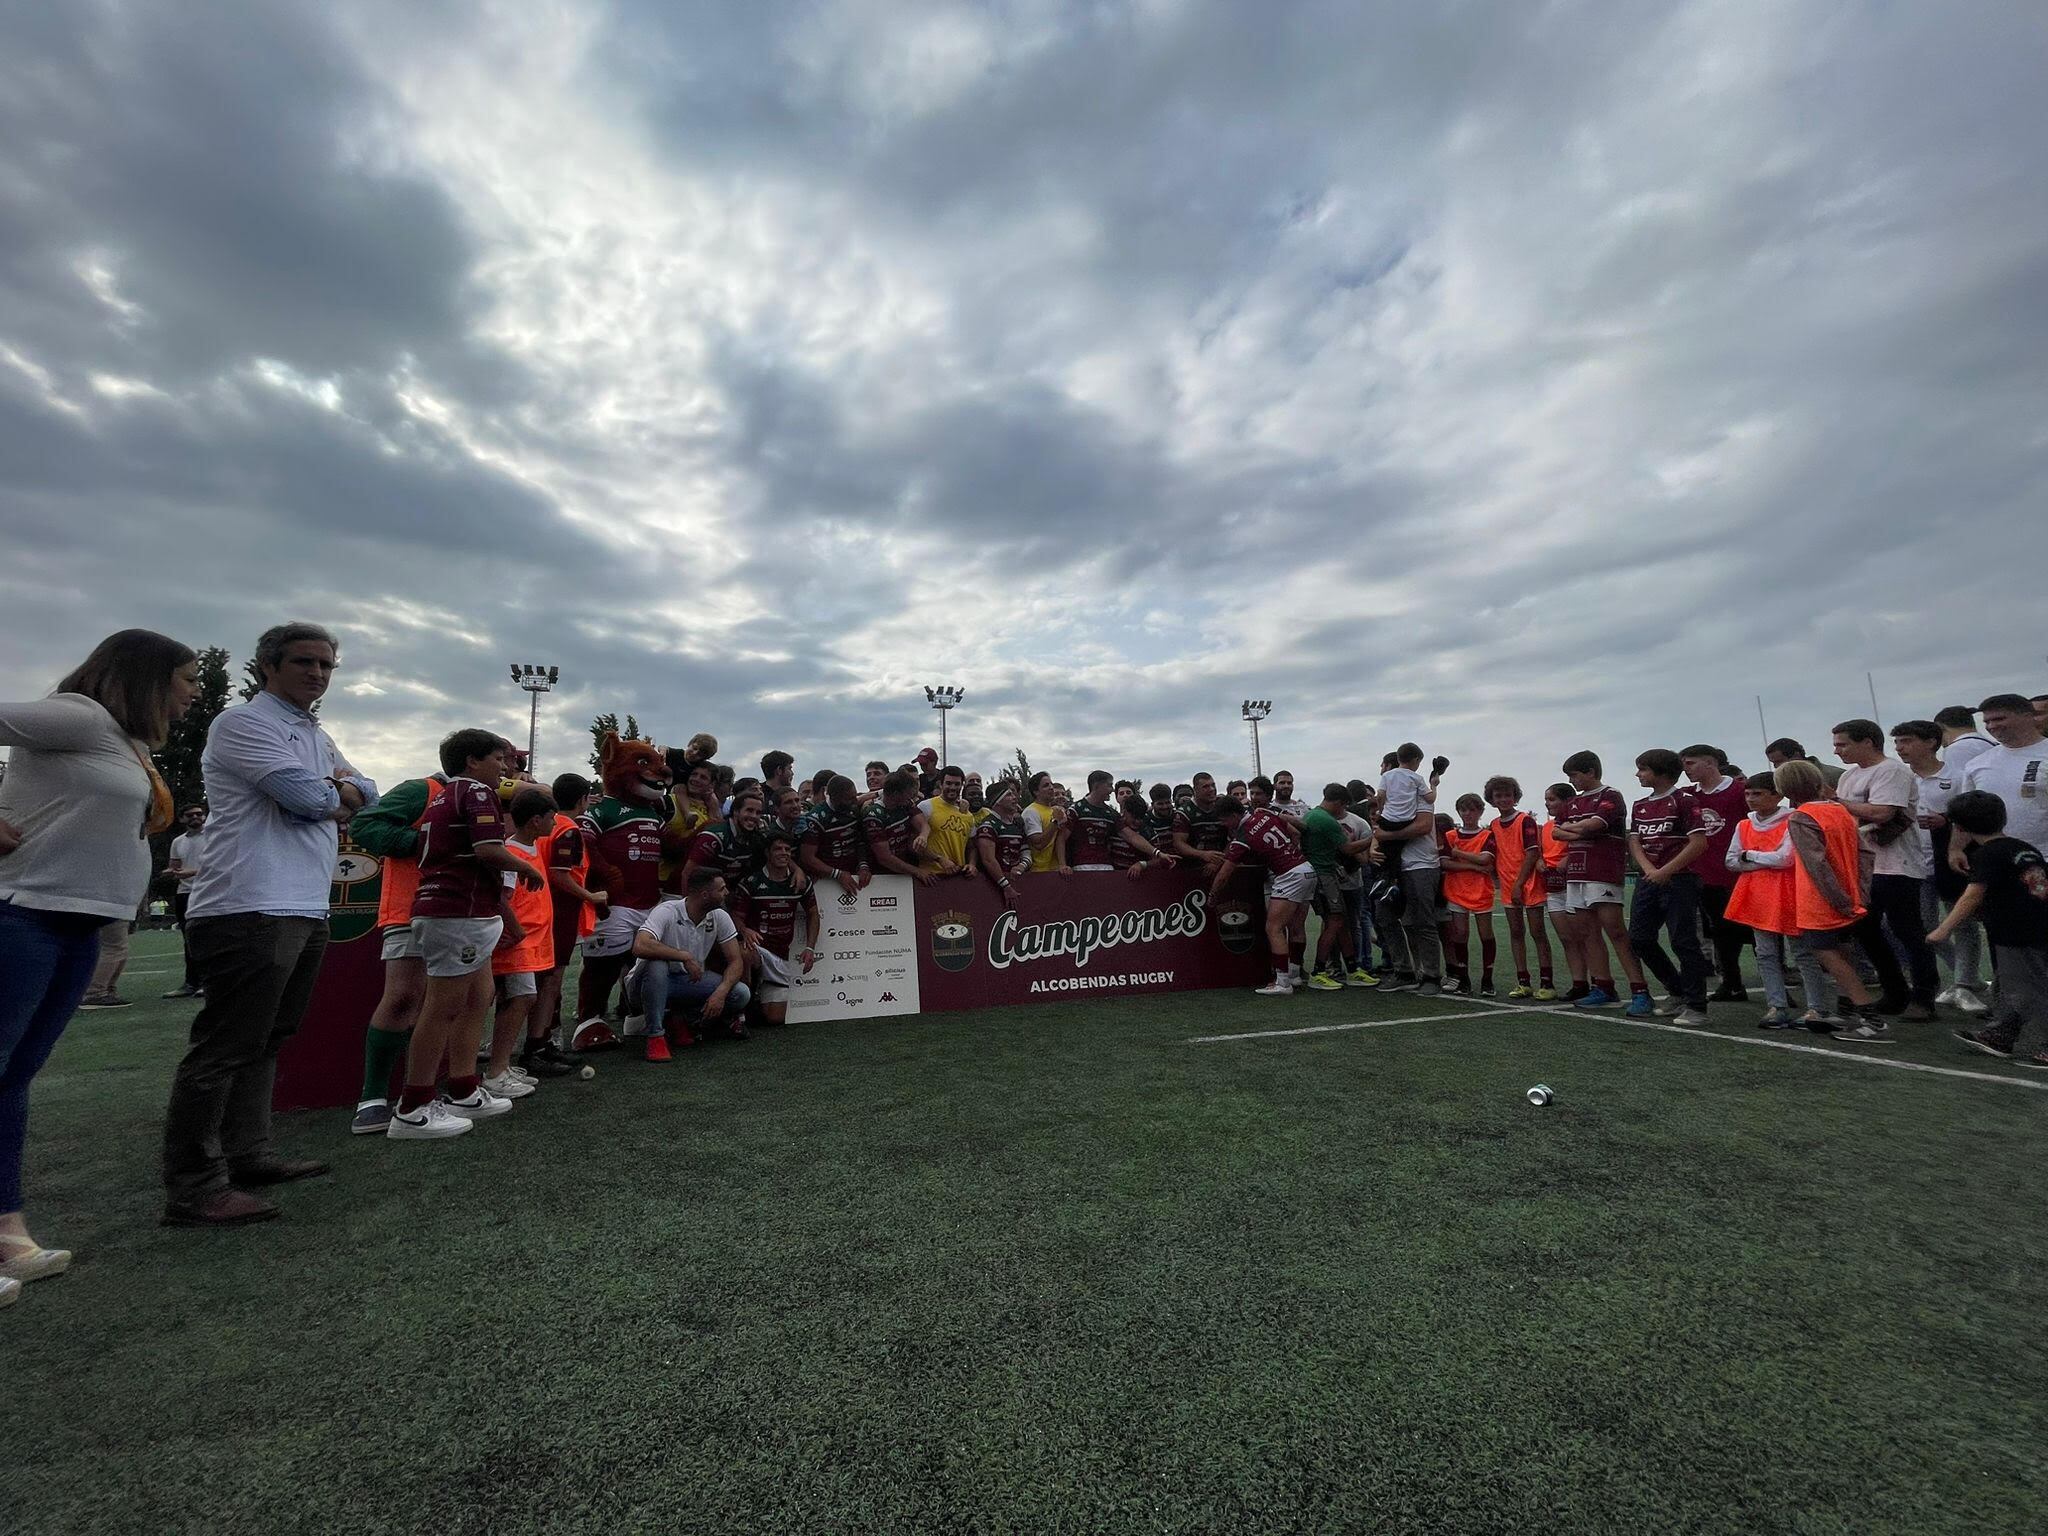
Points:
x=178, y=759
x=1023, y=774
x=609, y=721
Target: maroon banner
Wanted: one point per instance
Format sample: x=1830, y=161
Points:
x=1085, y=935
x=321, y=1067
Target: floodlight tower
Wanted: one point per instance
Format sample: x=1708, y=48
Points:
x=1255, y=710
x=536, y=681
x=944, y=698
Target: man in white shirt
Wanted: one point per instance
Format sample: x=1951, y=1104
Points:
x=1918, y=744
x=1884, y=797
x=1961, y=741
x=2016, y=770
x=1283, y=797
x=278, y=790
x=672, y=949
x=184, y=865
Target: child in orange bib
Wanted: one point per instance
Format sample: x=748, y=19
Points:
x=1518, y=848
x=1765, y=898
x=527, y=951
x=1828, y=880
x=1469, y=857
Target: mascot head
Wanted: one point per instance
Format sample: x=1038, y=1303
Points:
x=633, y=771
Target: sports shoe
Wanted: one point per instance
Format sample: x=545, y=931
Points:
x=1520, y=989
x=2038, y=1061
x=194, y=992
x=1274, y=988
x=1323, y=981
x=1866, y=1031
x=508, y=1086
x=1545, y=994
x=94, y=1004
x=1429, y=989
x=1986, y=1041
x=1822, y=1023
x=430, y=1122
x=538, y=1064
x=1396, y=981
x=1776, y=1018
x=481, y=1105
x=1919, y=1013
x=1670, y=1007
x=1969, y=1001
x=1453, y=985
x=1486, y=989
x=1945, y=998
x=657, y=1048
x=1640, y=1006
x=1596, y=997
x=1690, y=1018
x=1729, y=992
x=29, y=1261
x=373, y=1118
x=1361, y=979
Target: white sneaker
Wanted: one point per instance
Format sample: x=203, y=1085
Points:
x=1689, y=1018
x=481, y=1105
x=10, y=1292
x=1670, y=1008
x=508, y=1086
x=1946, y=998
x=430, y=1122
x=1969, y=1001
x=1274, y=988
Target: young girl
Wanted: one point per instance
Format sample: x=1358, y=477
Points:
x=1766, y=899
x=1517, y=850
x=1468, y=862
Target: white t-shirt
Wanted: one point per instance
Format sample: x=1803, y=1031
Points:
x=185, y=850
x=1401, y=792
x=1957, y=756
x=2019, y=777
x=1888, y=782
x=670, y=924
x=1936, y=790
x=1355, y=830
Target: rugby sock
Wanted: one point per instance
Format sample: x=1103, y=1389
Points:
x=415, y=1097
x=1522, y=978
x=1281, y=971
x=1544, y=979
x=1639, y=989
x=460, y=1087
x=382, y=1049
x=1605, y=984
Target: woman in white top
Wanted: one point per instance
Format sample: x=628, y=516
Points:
x=77, y=809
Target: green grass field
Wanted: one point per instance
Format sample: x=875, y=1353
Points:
x=1061, y=1269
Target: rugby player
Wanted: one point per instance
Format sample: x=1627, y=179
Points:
x=1269, y=841
x=832, y=842
x=770, y=902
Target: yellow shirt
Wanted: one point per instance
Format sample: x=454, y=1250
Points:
x=1037, y=818
x=950, y=827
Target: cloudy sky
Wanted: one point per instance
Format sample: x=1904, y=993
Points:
x=1514, y=377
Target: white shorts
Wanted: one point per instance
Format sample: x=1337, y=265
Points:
x=774, y=986
x=1553, y=901
x=518, y=984
x=614, y=933
x=1297, y=885
x=457, y=946
x=1584, y=895
x=399, y=944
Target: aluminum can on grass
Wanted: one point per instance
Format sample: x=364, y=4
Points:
x=1540, y=1095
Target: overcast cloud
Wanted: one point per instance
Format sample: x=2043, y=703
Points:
x=1513, y=377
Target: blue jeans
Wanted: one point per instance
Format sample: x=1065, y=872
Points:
x=665, y=986
x=46, y=959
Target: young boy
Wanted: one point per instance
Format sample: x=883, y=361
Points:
x=1595, y=871
x=1469, y=859
x=2008, y=892
x=1555, y=854
x=458, y=916
x=1665, y=838
x=1518, y=862
x=770, y=903
x=1765, y=900
x=527, y=952
x=1333, y=850
x=573, y=908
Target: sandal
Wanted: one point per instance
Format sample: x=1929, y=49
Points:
x=29, y=1260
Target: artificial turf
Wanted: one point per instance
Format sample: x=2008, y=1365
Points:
x=1059, y=1269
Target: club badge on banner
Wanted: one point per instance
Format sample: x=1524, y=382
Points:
x=867, y=946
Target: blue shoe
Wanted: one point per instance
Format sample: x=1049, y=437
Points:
x=1640, y=1007
x=1596, y=997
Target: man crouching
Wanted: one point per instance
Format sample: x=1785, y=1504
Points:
x=672, y=950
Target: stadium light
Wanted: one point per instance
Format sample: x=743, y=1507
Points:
x=536, y=680
x=1255, y=710
x=945, y=698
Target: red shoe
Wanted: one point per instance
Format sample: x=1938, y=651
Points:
x=682, y=1036
x=657, y=1048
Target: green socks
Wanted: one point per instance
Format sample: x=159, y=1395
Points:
x=383, y=1049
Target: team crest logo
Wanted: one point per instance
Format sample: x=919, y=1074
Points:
x=469, y=954
x=953, y=941
x=1234, y=922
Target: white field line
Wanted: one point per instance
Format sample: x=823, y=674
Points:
x=2037, y=1083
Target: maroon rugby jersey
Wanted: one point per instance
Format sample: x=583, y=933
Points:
x=452, y=882
x=1263, y=837
x=1663, y=822
x=1720, y=811
x=773, y=907
x=838, y=840
x=1603, y=857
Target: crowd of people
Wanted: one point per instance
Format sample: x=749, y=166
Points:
x=690, y=891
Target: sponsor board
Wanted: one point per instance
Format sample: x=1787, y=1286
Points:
x=867, y=956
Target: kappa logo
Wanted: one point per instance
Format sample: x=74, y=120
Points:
x=952, y=941
x=886, y=997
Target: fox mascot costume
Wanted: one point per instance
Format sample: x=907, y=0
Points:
x=625, y=832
